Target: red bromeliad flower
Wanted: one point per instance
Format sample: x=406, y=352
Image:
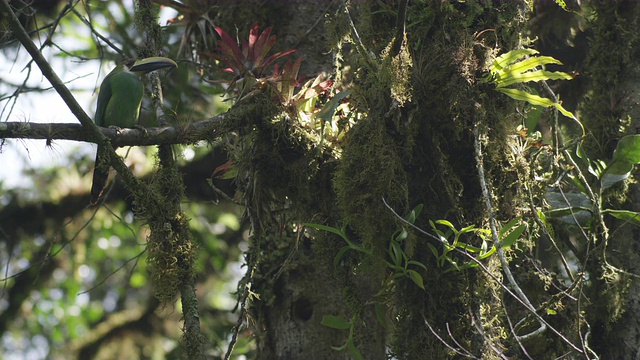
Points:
x=250, y=60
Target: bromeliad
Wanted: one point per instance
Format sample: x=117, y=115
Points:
x=119, y=103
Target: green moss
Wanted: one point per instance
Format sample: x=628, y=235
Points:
x=171, y=255
x=370, y=171
x=146, y=18
x=611, y=60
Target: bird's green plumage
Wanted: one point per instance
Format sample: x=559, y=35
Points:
x=119, y=104
x=119, y=99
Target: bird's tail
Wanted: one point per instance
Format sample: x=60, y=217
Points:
x=100, y=177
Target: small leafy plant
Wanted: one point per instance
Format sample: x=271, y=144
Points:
x=338, y=323
x=399, y=263
x=451, y=240
x=521, y=66
x=577, y=207
x=400, y=266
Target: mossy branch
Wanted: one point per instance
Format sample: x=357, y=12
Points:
x=173, y=270
x=179, y=134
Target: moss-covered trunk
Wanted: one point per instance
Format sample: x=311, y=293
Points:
x=416, y=146
x=407, y=208
x=425, y=124
x=610, y=111
x=421, y=97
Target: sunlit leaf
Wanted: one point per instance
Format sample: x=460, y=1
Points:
x=511, y=57
x=536, y=75
x=513, y=236
x=625, y=215
x=327, y=111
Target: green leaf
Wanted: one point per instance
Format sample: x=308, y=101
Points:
x=505, y=229
x=513, y=236
x=446, y=223
x=488, y=253
x=441, y=236
x=400, y=235
x=411, y=218
x=511, y=57
x=335, y=322
x=536, y=100
x=566, y=211
x=417, y=263
x=525, y=96
x=434, y=250
x=568, y=114
x=327, y=111
x=625, y=215
x=532, y=63
x=325, y=228
x=339, y=232
x=562, y=4
x=614, y=173
x=339, y=255
x=536, y=75
x=533, y=119
x=597, y=168
x=582, y=154
x=468, y=229
x=626, y=155
x=353, y=350
x=417, y=278
x=565, y=207
x=396, y=253
x=628, y=149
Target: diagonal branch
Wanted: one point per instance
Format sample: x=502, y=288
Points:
x=21, y=34
x=496, y=240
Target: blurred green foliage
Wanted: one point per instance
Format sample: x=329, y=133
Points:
x=74, y=280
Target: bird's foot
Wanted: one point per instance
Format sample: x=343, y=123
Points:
x=142, y=128
x=117, y=129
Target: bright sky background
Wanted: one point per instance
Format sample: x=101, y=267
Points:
x=47, y=107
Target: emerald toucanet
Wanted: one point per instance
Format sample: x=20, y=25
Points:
x=119, y=104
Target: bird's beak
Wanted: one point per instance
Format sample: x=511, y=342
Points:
x=152, y=63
